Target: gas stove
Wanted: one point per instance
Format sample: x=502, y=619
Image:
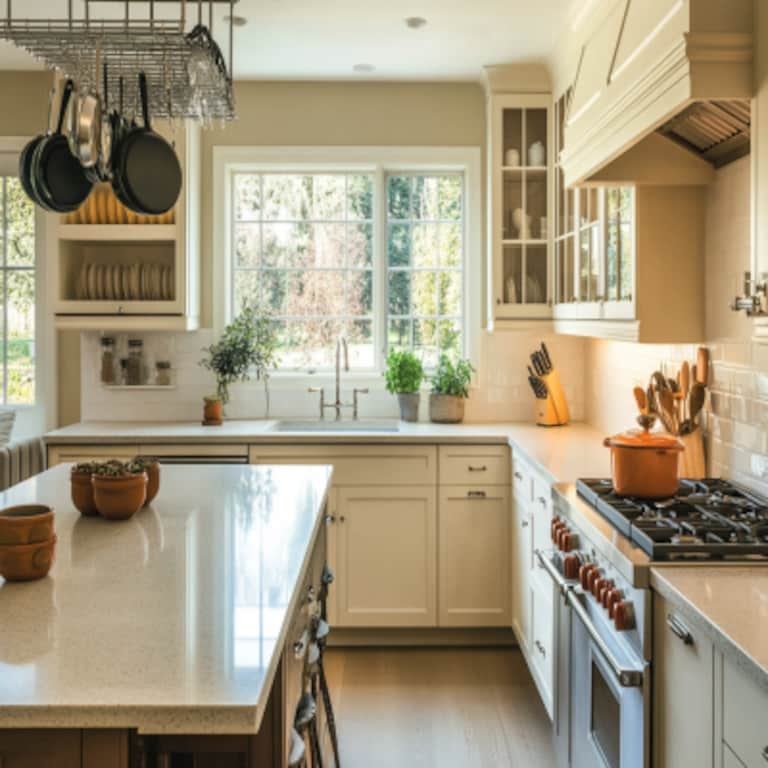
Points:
x=709, y=519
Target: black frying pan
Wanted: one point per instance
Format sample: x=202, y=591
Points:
x=58, y=179
x=146, y=171
x=25, y=158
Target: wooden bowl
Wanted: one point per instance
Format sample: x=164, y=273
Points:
x=25, y=562
x=26, y=524
x=119, y=498
x=82, y=494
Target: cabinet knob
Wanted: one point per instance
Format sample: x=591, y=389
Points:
x=542, y=500
x=518, y=475
x=524, y=524
x=476, y=494
x=330, y=519
x=342, y=519
x=482, y=468
x=498, y=301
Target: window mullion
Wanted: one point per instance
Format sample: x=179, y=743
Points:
x=380, y=266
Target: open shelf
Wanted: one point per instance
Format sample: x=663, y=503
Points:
x=118, y=232
x=140, y=387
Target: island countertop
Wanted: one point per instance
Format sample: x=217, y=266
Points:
x=171, y=622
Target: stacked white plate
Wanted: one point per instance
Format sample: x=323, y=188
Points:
x=125, y=282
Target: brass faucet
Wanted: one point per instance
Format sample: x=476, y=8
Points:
x=338, y=404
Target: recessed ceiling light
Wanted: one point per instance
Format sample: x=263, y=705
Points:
x=415, y=22
x=237, y=21
x=364, y=68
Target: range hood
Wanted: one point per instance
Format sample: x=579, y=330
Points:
x=681, y=69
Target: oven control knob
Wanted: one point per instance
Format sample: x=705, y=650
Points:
x=571, y=567
x=553, y=527
x=614, y=597
x=557, y=526
x=604, y=592
x=594, y=576
x=598, y=585
x=623, y=616
x=584, y=572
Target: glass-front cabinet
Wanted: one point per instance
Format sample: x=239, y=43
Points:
x=520, y=201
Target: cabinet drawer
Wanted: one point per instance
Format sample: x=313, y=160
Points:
x=79, y=453
x=522, y=479
x=745, y=716
x=359, y=465
x=470, y=464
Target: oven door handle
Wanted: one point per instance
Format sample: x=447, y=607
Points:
x=627, y=678
x=554, y=574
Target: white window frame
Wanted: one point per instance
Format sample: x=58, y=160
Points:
x=39, y=417
x=381, y=162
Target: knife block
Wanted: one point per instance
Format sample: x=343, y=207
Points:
x=552, y=411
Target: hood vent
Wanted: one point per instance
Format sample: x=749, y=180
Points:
x=717, y=131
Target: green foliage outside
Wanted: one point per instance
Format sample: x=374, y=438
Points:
x=452, y=378
x=404, y=372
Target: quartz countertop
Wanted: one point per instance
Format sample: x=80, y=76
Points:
x=170, y=622
x=729, y=603
x=563, y=453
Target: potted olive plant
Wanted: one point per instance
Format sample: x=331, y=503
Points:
x=247, y=349
x=450, y=387
x=404, y=375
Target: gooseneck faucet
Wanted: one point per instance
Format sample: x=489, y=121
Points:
x=338, y=404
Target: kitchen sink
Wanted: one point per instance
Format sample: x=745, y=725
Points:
x=316, y=425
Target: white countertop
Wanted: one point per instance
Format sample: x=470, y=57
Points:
x=564, y=453
x=171, y=622
x=729, y=602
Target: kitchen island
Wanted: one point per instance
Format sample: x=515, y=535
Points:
x=166, y=632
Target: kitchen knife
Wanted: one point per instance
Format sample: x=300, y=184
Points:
x=547, y=358
x=537, y=365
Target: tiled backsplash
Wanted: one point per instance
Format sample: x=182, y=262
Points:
x=501, y=393
x=736, y=417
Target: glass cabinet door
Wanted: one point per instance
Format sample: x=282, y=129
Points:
x=619, y=237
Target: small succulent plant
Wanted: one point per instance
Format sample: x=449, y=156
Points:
x=112, y=468
x=139, y=464
x=85, y=468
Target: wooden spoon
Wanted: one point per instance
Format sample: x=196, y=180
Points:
x=702, y=366
x=667, y=403
x=696, y=400
x=641, y=400
x=685, y=382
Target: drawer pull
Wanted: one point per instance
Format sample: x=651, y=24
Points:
x=330, y=519
x=541, y=649
x=542, y=500
x=679, y=629
x=482, y=468
x=476, y=494
x=518, y=475
x=524, y=523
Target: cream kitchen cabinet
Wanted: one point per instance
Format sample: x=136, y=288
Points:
x=745, y=717
x=473, y=539
x=521, y=563
x=683, y=691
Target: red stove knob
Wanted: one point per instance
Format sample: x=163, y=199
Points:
x=593, y=578
x=556, y=529
x=597, y=587
x=571, y=567
x=614, y=596
x=566, y=542
x=623, y=616
x=584, y=572
x=604, y=592
x=553, y=527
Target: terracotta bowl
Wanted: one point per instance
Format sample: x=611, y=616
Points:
x=82, y=494
x=26, y=524
x=119, y=498
x=25, y=562
x=153, y=481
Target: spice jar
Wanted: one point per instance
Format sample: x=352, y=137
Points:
x=163, y=373
x=135, y=370
x=107, y=360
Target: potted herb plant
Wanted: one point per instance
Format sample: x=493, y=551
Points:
x=247, y=349
x=117, y=492
x=82, y=488
x=151, y=466
x=403, y=376
x=450, y=387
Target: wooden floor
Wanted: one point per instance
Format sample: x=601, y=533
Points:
x=446, y=707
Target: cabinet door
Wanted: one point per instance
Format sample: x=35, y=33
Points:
x=683, y=697
x=745, y=715
x=522, y=544
x=473, y=536
x=36, y=748
x=386, y=542
x=541, y=651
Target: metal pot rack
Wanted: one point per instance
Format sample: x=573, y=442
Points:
x=169, y=40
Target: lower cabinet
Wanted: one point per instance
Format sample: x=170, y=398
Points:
x=473, y=550
x=386, y=556
x=745, y=718
x=36, y=748
x=521, y=554
x=542, y=646
x=683, y=697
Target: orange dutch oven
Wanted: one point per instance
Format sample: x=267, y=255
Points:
x=644, y=463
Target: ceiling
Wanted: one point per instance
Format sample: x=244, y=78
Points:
x=307, y=39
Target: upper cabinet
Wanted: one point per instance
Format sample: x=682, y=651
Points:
x=520, y=204
x=111, y=269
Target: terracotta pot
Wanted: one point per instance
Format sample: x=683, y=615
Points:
x=118, y=498
x=153, y=481
x=82, y=494
x=446, y=409
x=409, y=405
x=213, y=412
x=26, y=524
x=644, y=463
x=25, y=562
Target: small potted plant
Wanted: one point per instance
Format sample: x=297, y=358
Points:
x=118, y=493
x=247, y=349
x=404, y=375
x=82, y=488
x=449, y=390
x=151, y=466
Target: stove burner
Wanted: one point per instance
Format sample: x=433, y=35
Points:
x=706, y=518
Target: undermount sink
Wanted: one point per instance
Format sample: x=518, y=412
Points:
x=316, y=425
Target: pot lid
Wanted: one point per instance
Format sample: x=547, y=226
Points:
x=643, y=438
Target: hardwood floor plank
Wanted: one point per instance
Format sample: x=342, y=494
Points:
x=437, y=708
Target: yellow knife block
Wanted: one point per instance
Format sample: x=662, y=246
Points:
x=552, y=412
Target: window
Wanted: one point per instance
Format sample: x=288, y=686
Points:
x=372, y=250
x=17, y=288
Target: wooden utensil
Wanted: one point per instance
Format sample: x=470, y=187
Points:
x=641, y=400
x=668, y=411
x=702, y=366
x=685, y=378
x=696, y=400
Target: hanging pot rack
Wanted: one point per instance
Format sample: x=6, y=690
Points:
x=187, y=73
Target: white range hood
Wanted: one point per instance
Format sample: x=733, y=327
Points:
x=682, y=68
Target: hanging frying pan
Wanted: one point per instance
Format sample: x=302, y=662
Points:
x=146, y=172
x=25, y=158
x=58, y=179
